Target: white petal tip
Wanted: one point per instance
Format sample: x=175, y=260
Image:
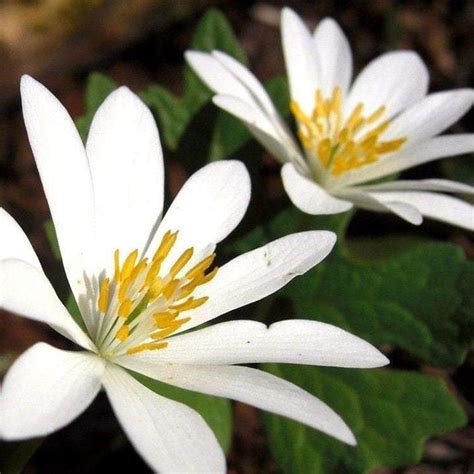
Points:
x=27, y=83
x=350, y=439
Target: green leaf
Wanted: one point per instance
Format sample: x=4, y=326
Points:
x=216, y=411
x=390, y=412
x=98, y=87
x=170, y=111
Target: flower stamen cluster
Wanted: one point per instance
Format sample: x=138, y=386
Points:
x=343, y=144
x=140, y=307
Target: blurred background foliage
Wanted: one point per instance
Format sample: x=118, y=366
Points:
x=408, y=290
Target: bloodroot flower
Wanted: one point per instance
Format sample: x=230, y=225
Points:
x=140, y=282
x=350, y=134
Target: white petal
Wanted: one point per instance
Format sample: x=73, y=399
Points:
x=375, y=202
x=309, y=197
x=26, y=291
x=301, y=60
x=254, y=387
x=218, y=77
x=15, y=243
x=170, y=436
x=259, y=273
x=395, y=80
x=253, y=85
x=248, y=342
x=441, y=185
x=126, y=163
x=435, y=206
x=208, y=207
x=241, y=94
x=424, y=152
x=45, y=389
x=335, y=57
x=431, y=116
x=279, y=143
x=64, y=170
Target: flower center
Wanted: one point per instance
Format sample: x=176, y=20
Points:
x=140, y=306
x=342, y=144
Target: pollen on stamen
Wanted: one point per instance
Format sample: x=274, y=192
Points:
x=337, y=144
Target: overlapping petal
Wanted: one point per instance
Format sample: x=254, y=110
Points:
x=334, y=57
x=381, y=203
x=170, y=436
x=308, y=196
x=431, y=115
x=395, y=80
x=259, y=273
x=15, y=243
x=254, y=387
x=301, y=59
x=435, y=206
x=208, y=207
x=65, y=174
x=25, y=290
x=126, y=164
x=247, y=342
x=45, y=389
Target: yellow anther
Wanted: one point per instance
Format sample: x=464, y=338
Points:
x=104, y=295
x=152, y=272
x=376, y=115
x=139, y=268
x=170, y=329
x=117, y=266
x=123, y=290
x=125, y=309
x=190, y=303
x=128, y=265
x=167, y=243
x=324, y=149
x=181, y=262
x=156, y=288
x=163, y=320
x=123, y=333
x=388, y=147
x=170, y=288
x=148, y=346
x=201, y=267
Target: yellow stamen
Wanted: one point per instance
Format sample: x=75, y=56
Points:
x=181, y=262
x=170, y=288
x=166, y=245
x=162, y=320
x=104, y=295
x=117, y=266
x=173, y=327
x=201, y=267
x=123, y=333
x=148, y=346
x=128, y=265
x=190, y=303
x=125, y=309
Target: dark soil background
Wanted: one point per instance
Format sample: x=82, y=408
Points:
x=142, y=41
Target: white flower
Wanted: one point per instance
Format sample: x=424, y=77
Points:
x=140, y=282
x=351, y=134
